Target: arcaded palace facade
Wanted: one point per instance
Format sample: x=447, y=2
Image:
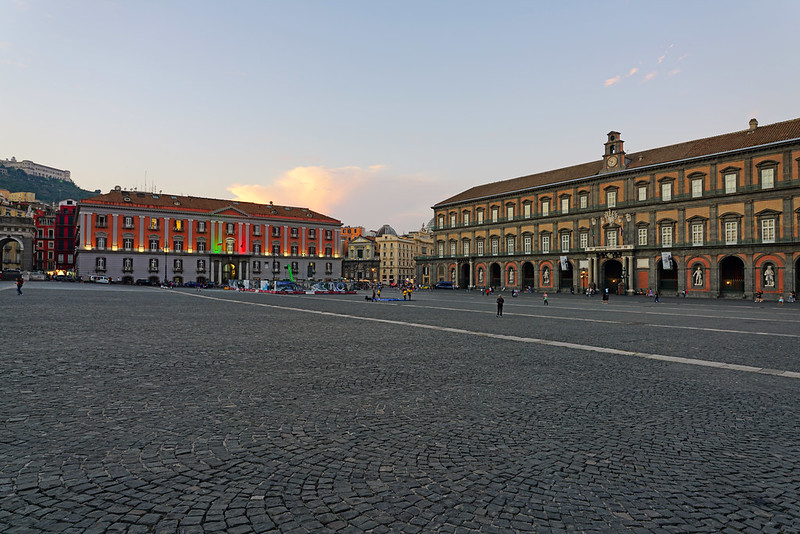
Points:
x=714, y=217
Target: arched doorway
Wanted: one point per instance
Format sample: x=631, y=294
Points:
x=731, y=277
x=495, y=279
x=565, y=281
x=612, y=276
x=463, y=277
x=527, y=275
x=667, y=278
x=229, y=271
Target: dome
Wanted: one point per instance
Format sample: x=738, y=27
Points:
x=385, y=230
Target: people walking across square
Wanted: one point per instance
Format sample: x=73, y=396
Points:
x=545, y=299
x=500, y=302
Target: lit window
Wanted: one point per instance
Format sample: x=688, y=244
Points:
x=178, y=225
x=767, y=178
x=153, y=223
x=730, y=183
x=697, y=188
x=666, y=236
x=768, y=230
x=666, y=191
x=697, y=234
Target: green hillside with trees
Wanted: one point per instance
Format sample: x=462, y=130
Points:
x=46, y=189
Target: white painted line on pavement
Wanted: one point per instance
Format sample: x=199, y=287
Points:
x=563, y=344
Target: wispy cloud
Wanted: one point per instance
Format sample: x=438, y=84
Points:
x=12, y=63
x=650, y=76
x=673, y=72
x=613, y=81
x=631, y=72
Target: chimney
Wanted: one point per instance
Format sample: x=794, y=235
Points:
x=753, y=125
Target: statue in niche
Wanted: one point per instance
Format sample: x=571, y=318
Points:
x=697, y=276
x=546, y=276
x=769, y=276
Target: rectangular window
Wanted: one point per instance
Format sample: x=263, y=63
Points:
x=526, y=211
x=545, y=244
x=230, y=228
x=465, y=246
x=453, y=248
x=611, y=238
x=641, y=193
x=154, y=245
x=697, y=188
x=257, y=248
x=101, y=243
x=177, y=266
x=328, y=268
x=584, y=239
x=730, y=183
x=666, y=191
x=510, y=213
x=441, y=250
x=565, y=205
x=276, y=231
x=201, y=266
x=153, y=223
x=276, y=249
x=767, y=178
x=526, y=244
x=127, y=265
x=584, y=201
x=177, y=246
x=256, y=266
x=201, y=246
x=495, y=247
x=178, y=225
x=666, y=236
x=328, y=234
x=127, y=243
x=294, y=250
x=127, y=222
x=257, y=230
x=154, y=265
x=441, y=221
x=312, y=233
x=495, y=215
x=452, y=220
x=510, y=245
x=201, y=227
x=480, y=248
x=611, y=199
x=564, y=242
x=100, y=264
x=545, y=208
x=731, y=233
x=328, y=251
x=102, y=221
x=480, y=217
x=466, y=218
x=697, y=234
x=768, y=230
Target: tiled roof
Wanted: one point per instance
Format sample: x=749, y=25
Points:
x=136, y=199
x=762, y=135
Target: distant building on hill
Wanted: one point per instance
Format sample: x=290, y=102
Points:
x=37, y=169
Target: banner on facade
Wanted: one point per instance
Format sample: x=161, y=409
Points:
x=564, y=264
x=666, y=260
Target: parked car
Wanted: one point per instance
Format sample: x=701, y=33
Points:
x=10, y=274
x=99, y=279
x=444, y=285
x=37, y=276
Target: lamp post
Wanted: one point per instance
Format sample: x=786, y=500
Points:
x=165, y=266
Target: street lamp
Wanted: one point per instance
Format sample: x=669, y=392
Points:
x=165, y=266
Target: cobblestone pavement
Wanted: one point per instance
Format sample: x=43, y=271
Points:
x=148, y=410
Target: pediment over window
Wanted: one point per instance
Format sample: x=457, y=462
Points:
x=230, y=211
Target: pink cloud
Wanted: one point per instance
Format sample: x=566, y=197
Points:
x=650, y=76
x=613, y=81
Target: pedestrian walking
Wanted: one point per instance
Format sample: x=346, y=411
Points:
x=20, y=281
x=545, y=299
x=500, y=302
x=605, y=296
x=656, y=295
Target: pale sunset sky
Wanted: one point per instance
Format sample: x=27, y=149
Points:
x=373, y=111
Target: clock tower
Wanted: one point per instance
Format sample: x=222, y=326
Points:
x=614, y=157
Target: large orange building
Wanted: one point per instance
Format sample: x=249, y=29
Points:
x=718, y=216
x=129, y=235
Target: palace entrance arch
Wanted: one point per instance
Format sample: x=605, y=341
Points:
x=565, y=280
x=731, y=277
x=667, y=278
x=528, y=276
x=495, y=279
x=612, y=276
x=463, y=276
